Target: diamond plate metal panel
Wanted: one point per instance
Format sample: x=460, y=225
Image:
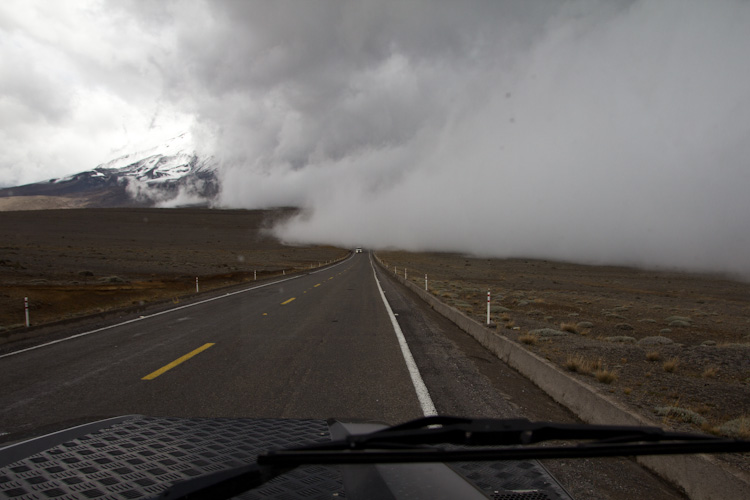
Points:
x=139, y=457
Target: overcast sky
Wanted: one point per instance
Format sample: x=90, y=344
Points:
x=595, y=131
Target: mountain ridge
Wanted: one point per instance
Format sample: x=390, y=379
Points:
x=169, y=175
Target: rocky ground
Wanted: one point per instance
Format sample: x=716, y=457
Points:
x=72, y=263
x=674, y=347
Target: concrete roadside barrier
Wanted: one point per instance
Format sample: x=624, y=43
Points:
x=701, y=476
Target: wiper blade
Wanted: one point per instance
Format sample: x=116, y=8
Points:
x=408, y=442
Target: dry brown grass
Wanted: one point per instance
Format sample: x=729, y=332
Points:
x=529, y=339
x=670, y=365
x=569, y=327
x=580, y=364
x=653, y=356
x=710, y=372
x=605, y=376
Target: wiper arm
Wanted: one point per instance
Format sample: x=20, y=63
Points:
x=408, y=442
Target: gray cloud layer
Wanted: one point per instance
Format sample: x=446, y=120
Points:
x=597, y=131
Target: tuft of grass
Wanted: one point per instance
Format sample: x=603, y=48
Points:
x=569, y=327
x=605, y=376
x=579, y=364
x=653, y=355
x=510, y=325
x=710, y=372
x=529, y=339
x=671, y=365
x=627, y=390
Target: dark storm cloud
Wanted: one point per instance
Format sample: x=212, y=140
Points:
x=604, y=132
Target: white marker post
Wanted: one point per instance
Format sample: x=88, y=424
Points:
x=425, y=282
x=26, y=310
x=405, y=274
x=283, y=272
x=488, y=308
x=196, y=285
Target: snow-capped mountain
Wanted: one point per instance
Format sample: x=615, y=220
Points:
x=171, y=174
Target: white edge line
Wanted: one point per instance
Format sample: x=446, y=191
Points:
x=141, y=318
x=425, y=401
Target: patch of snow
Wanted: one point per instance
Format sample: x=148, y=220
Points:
x=180, y=145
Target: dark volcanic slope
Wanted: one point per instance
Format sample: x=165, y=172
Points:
x=90, y=189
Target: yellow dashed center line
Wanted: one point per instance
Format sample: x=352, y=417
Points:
x=288, y=301
x=317, y=285
x=152, y=376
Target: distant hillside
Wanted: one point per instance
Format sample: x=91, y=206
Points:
x=171, y=174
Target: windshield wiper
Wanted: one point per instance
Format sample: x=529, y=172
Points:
x=409, y=442
x=417, y=440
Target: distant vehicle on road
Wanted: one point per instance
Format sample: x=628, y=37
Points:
x=358, y=250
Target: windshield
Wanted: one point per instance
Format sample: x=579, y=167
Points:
x=378, y=212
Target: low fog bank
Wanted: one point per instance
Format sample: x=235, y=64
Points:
x=604, y=132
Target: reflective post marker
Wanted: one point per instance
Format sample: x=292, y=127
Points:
x=488, y=308
x=196, y=284
x=425, y=282
x=26, y=310
x=404, y=273
x=255, y=275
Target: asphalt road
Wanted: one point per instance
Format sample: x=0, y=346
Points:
x=312, y=346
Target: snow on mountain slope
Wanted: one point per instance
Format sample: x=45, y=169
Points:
x=171, y=174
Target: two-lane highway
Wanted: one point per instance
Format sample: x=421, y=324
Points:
x=315, y=346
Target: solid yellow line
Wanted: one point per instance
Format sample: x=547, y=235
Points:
x=288, y=301
x=152, y=376
x=317, y=285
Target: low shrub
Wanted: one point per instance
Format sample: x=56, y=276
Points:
x=683, y=414
x=671, y=365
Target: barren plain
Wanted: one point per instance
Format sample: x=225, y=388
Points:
x=78, y=262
